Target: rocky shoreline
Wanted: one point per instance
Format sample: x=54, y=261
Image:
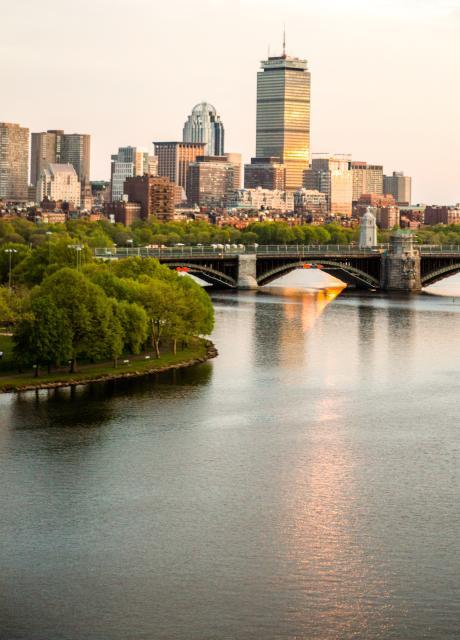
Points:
x=211, y=352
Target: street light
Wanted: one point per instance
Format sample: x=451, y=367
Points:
x=10, y=252
x=49, y=234
x=78, y=248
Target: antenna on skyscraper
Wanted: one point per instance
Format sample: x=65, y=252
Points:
x=284, y=40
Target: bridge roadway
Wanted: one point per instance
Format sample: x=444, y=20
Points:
x=400, y=265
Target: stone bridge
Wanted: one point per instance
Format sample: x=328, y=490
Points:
x=399, y=266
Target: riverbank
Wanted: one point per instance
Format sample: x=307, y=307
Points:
x=197, y=353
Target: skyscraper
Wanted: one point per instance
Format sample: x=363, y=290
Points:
x=400, y=187
x=204, y=125
x=367, y=178
x=14, y=160
x=332, y=175
x=174, y=159
x=283, y=115
x=128, y=162
x=56, y=147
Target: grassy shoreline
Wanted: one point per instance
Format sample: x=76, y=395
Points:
x=200, y=351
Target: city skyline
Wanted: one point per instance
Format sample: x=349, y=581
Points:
x=369, y=99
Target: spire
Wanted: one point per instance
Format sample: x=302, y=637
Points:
x=284, y=40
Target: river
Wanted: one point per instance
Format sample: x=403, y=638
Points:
x=303, y=485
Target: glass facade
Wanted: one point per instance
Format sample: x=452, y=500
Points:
x=283, y=115
x=204, y=125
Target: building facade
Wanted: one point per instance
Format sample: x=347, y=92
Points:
x=367, y=178
x=310, y=202
x=174, y=159
x=332, y=176
x=14, y=162
x=442, y=215
x=128, y=162
x=154, y=194
x=204, y=125
x=399, y=186
x=210, y=181
x=262, y=200
x=268, y=173
x=59, y=182
x=283, y=115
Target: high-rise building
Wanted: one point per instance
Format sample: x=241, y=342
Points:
x=204, y=125
x=283, y=115
x=59, y=182
x=367, y=178
x=235, y=160
x=155, y=195
x=128, y=162
x=14, y=161
x=332, y=175
x=174, y=159
x=267, y=173
x=400, y=187
x=210, y=181
x=56, y=147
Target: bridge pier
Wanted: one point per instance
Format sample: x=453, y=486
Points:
x=401, y=265
x=247, y=272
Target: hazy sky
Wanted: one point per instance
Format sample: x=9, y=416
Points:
x=385, y=74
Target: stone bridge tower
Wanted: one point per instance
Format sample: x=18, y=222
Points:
x=401, y=264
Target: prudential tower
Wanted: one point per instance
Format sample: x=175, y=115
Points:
x=283, y=115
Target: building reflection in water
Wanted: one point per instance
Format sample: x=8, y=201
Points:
x=287, y=331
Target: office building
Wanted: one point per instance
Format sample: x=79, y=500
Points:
x=129, y=162
x=59, y=182
x=283, y=115
x=268, y=173
x=174, y=159
x=210, y=181
x=367, y=178
x=235, y=160
x=14, y=161
x=155, y=195
x=332, y=176
x=204, y=125
x=400, y=187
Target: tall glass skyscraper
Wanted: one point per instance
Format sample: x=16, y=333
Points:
x=204, y=125
x=283, y=115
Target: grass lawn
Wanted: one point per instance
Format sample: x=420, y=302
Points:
x=136, y=365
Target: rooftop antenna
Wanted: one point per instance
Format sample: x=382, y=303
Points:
x=284, y=40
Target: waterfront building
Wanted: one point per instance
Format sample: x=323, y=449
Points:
x=174, y=159
x=368, y=231
x=400, y=187
x=262, y=200
x=59, y=182
x=268, y=173
x=442, y=215
x=367, y=178
x=14, y=160
x=210, y=181
x=204, y=125
x=310, y=202
x=332, y=176
x=283, y=115
x=155, y=195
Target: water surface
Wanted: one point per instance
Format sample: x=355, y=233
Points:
x=305, y=484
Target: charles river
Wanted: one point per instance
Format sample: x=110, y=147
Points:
x=303, y=485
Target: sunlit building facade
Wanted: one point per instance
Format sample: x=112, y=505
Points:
x=283, y=115
x=14, y=160
x=332, y=176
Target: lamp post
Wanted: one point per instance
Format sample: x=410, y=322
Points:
x=129, y=243
x=49, y=234
x=78, y=248
x=10, y=253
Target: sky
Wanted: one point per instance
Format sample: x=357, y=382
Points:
x=385, y=75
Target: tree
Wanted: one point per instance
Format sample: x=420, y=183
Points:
x=43, y=336
x=134, y=324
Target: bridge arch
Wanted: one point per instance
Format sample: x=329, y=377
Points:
x=440, y=274
x=344, y=272
x=208, y=274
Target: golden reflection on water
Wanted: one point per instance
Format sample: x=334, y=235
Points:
x=322, y=537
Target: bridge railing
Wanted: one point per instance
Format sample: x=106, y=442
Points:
x=262, y=250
